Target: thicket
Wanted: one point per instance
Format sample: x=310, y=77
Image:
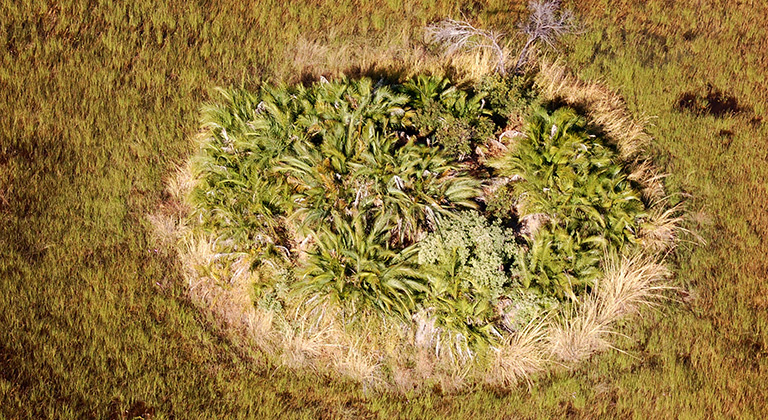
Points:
x=417, y=228
x=412, y=201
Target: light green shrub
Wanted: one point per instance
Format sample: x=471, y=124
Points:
x=484, y=253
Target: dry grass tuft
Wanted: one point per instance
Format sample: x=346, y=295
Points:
x=474, y=64
x=577, y=336
x=310, y=336
x=168, y=222
x=604, y=107
x=181, y=182
x=223, y=283
x=630, y=282
x=661, y=229
x=646, y=174
x=357, y=364
x=520, y=356
x=165, y=228
x=400, y=55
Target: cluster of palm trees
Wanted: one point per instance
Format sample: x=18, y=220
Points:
x=340, y=170
x=580, y=185
x=342, y=181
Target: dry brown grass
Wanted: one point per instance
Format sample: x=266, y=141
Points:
x=578, y=335
x=647, y=175
x=630, y=282
x=519, y=356
x=661, y=228
x=309, y=336
x=223, y=284
x=403, y=55
x=359, y=366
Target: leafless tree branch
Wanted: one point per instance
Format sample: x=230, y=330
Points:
x=546, y=23
x=456, y=35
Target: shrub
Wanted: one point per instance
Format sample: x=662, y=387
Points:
x=507, y=95
x=473, y=251
x=355, y=265
x=449, y=117
x=467, y=266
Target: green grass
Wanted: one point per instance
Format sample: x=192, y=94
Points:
x=98, y=104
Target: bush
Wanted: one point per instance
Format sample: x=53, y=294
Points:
x=454, y=119
x=467, y=267
x=474, y=252
x=507, y=95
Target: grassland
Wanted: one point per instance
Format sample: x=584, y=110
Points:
x=99, y=102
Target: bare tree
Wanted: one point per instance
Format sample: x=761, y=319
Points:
x=455, y=35
x=546, y=23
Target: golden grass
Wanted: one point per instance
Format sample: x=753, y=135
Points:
x=358, y=365
x=577, y=336
x=660, y=230
x=223, y=284
x=629, y=283
x=647, y=175
x=519, y=356
x=403, y=54
x=308, y=336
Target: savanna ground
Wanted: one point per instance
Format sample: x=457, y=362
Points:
x=99, y=102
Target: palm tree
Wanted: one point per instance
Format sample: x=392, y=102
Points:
x=413, y=185
x=354, y=263
x=580, y=183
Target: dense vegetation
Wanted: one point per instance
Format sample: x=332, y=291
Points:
x=100, y=99
x=360, y=196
